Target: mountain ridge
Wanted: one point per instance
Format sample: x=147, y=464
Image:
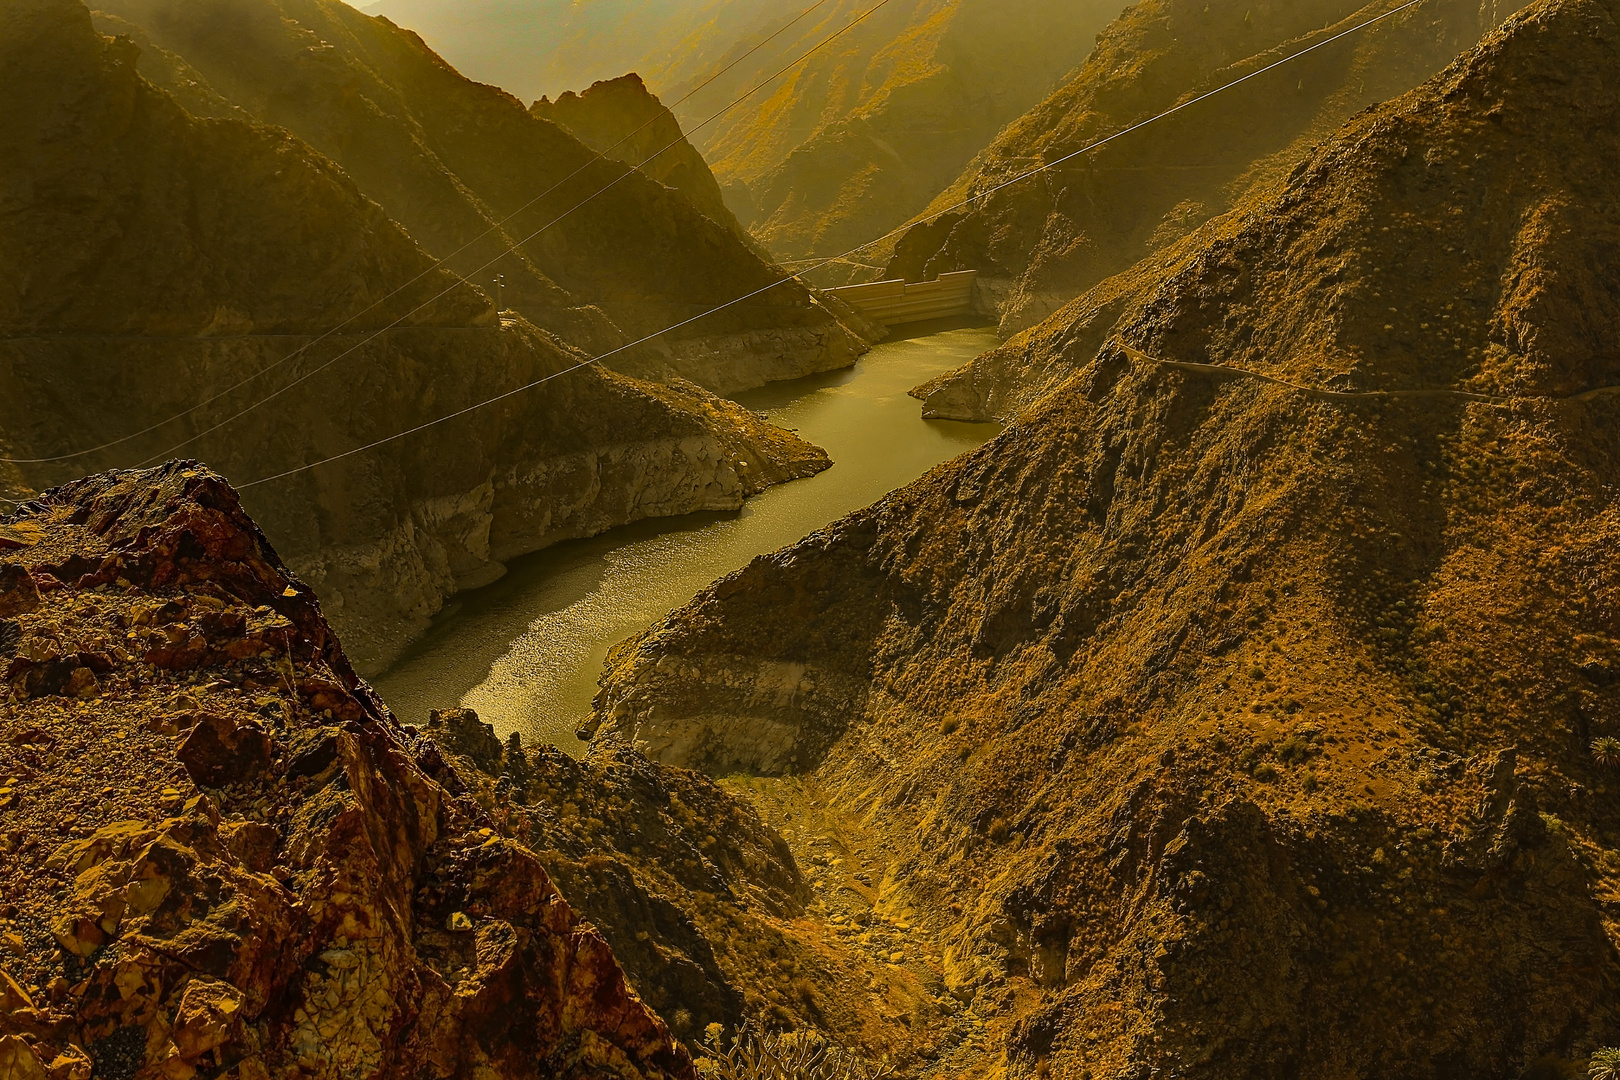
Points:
x=601, y=253
x=1042, y=242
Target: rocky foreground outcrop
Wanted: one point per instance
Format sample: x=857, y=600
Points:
x=1225, y=727
x=1042, y=242
x=221, y=854
x=170, y=283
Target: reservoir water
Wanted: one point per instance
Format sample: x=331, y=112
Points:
x=526, y=652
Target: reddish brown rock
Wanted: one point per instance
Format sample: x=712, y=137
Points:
x=221, y=750
x=238, y=867
x=18, y=593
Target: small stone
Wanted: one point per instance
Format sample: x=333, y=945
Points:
x=71, y=1064
x=82, y=684
x=18, y=1060
x=19, y=594
x=458, y=923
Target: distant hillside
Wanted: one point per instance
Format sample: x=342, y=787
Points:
x=838, y=150
x=849, y=144
x=459, y=164
x=1043, y=241
x=622, y=119
x=543, y=48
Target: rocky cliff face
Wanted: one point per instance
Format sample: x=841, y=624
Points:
x=1219, y=727
x=463, y=167
x=153, y=263
x=223, y=856
x=713, y=916
x=622, y=119
x=1044, y=241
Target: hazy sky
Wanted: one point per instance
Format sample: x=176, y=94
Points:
x=543, y=47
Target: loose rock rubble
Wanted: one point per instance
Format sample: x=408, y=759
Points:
x=222, y=856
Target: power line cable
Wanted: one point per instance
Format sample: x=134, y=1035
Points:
x=836, y=258
x=554, y=221
x=434, y=265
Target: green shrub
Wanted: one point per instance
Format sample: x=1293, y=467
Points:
x=1606, y=751
x=1295, y=750
x=1605, y=1064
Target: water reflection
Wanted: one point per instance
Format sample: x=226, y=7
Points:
x=526, y=651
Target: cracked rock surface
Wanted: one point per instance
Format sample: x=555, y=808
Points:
x=221, y=854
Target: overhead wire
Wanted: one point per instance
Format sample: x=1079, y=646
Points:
x=561, y=217
x=436, y=264
x=1097, y=144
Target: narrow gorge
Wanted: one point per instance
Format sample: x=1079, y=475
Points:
x=479, y=599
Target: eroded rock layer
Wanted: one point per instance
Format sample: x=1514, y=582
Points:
x=222, y=855
x=1259, y=728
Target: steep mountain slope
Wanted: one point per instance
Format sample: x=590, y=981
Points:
x=224, y=857
x=711, y=916
x=1043, y=241
x=151, y=261
x=622, y=119
x=1220, y=728
x=459, y=165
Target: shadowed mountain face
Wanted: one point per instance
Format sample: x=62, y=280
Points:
x=621, y=119
x=152, y=261
x=1252, y=727
x=471, y=174
x=1043, y=241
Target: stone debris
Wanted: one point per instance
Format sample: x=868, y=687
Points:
x=236, y=861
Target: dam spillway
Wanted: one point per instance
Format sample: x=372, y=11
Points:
x=897, y=302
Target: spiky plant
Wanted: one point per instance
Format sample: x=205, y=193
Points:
x=1606, y=751
x=756, y=1055
x=1605, y=1063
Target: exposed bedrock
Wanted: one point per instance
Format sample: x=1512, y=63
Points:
x=1258, y=732
x=225, y=857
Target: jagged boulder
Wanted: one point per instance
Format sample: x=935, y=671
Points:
x=241, y=865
